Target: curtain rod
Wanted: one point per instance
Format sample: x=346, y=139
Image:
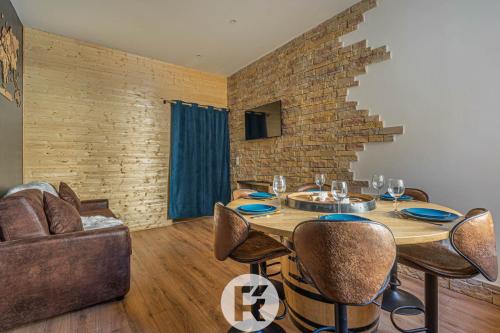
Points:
x=165, y=101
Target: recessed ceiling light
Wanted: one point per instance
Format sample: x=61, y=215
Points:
x=233, y=21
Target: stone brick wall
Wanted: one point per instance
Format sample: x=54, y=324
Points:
x=322, y=131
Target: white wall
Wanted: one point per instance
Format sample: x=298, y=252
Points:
x=442, y=84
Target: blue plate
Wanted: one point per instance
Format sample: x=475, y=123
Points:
x=261, y=195
x=343, y=217
x=389, y=197
x=256, y=209
x=430, y=214
x=313, y=190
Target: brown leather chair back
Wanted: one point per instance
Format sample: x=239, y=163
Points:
x=312, y=186
x=417, y=194
x=474, y=239
x=348, y=262
x=230, y=231
x=242, y=193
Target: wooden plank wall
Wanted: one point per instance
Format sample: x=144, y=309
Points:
x=94, y=117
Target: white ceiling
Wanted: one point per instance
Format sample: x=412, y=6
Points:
x=176, y=31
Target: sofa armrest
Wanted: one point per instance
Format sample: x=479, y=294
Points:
x=47, y=276
x=95, y=204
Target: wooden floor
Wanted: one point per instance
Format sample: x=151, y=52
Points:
x=177, y=283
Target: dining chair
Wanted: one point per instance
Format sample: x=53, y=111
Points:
x=312, y=186
x=347, y=262
x=417, y=194
x=395, y=297
x=234, y=239
x=242, y=193
x=469, y=251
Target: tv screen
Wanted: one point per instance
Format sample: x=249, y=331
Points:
x=263, y=121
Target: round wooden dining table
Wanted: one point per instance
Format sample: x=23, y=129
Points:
x=405, y=231
x=307, y=308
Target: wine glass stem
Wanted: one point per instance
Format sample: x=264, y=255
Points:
x=339, y=207
x=396, y=204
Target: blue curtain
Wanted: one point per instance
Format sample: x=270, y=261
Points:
x=199, y=162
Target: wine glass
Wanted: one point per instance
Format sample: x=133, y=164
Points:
x=320, y=180
x=339, y=192
x=279, y=186
x=378, y=182
x=396, y=189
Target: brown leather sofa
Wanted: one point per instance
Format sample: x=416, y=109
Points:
x=45, y=276
x=96, y=207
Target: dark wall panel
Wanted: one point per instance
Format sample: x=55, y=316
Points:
x=11, y=111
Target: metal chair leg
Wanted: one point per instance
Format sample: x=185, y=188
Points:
x=431, y=303
x=394, y=297
x=277, y=284
x=406, y=308
x=254, y=308
x=431, y=308
x=341, y=318
x=279, y=288
x=341, y=325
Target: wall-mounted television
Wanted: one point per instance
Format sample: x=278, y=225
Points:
x=263, y=121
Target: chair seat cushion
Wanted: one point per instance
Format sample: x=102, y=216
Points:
x=257, y=248
x=438, y=258
x=98, y=212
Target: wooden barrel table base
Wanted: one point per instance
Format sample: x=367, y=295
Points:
x=309, y=310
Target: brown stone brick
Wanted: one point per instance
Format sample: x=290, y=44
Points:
x=392, y=130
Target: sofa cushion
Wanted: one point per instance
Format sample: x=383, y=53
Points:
x=35, y=198
x=98, y=212
x=67, y=194
x=42, y=186
x=19, y=220
x=99, y=222
x=62, y=216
